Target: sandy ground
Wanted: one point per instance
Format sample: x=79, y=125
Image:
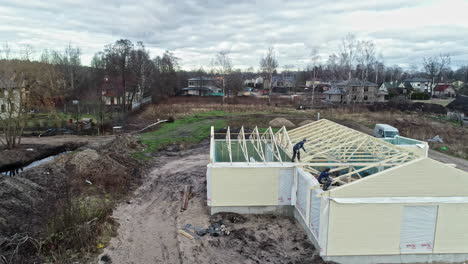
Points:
x=149, y=223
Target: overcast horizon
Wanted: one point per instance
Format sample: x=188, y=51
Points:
x=195, y=31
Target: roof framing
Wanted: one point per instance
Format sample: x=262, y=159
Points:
x=349, y=153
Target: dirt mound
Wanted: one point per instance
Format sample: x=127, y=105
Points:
x=280, y=122
x=84, y=159
x=305, y=122
x=409, y=107
x=30, y=199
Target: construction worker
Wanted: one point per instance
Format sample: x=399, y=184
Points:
x=297, y=148
x=325, y=179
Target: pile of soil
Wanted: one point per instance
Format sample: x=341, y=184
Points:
x=27, y=200
x=280, y=122
x=305, y=122
x=409, y=107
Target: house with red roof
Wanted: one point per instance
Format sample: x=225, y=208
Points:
x=444, y=91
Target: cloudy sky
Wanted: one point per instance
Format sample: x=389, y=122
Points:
x=404, y=30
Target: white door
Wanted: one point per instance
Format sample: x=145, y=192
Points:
x=418, y=229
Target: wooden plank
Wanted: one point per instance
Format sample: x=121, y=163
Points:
x=186, y=197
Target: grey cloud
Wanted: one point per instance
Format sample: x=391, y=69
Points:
x=196, y=29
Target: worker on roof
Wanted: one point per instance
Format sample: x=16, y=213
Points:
x=325, y=179
x=297, y=148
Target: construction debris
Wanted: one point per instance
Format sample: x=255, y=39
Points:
x=186, y=197
x=185, y=234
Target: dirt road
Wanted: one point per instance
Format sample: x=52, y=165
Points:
x=149, y=223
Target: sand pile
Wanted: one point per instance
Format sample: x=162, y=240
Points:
x=280, y=122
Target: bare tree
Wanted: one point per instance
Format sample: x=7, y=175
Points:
x=26, y=52
x=366, y=57
x=222, y=64
x=6, y=49
x=348, y=50
x=268, y=65
x=12, y=102
x=435, y=66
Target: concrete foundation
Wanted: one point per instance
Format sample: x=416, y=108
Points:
x=404, y=258
x=301, y=222
x=287, y=210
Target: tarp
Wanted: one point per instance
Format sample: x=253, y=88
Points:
x=417, y=229
x=315, y=212
x=302, y=189
x=208, y=185
x=285, y=186
x=393, y=200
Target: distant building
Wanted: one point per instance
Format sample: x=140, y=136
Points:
x=113, y=94
x=357, y=91
x=11, y=95
x=334, y=95
x=283, y=84
x=203, y=86
x=444, y=90
x=458, y=108
x=256, y=83
x=419, y=84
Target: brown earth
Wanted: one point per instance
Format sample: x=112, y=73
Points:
x=30, y=199
x=150, y=220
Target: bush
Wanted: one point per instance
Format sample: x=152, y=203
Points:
x=420, y=96
x=77, y=227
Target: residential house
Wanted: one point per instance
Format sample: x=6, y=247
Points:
x=318, y=88
x=283, y=83
x=458, y=108
x=444, y=91
x=419, y=84
x=256, y=83
x=113, y=96
x=458, y=84
x=396, y=88
x=334, y=95
x=203, y=86
x=11, y=95
x=357, y=91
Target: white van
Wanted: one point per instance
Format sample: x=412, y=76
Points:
x=385, y=131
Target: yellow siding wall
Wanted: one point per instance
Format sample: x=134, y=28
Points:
x=244, y=186
x=364, y=229
x=452, y=229
x=423, y=178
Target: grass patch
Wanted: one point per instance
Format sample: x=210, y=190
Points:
x=81, y=228
x=190, y=129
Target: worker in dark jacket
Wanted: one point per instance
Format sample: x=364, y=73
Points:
x=297, y=148
x=325, y=179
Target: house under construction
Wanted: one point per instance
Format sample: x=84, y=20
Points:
x=388, y=203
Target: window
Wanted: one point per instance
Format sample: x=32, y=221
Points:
x=191, y=83
x=3, y=108
x=365, y=98
x=419, y=84
x=366, y=89
x=2, y=93
x=354, y=97
x=354, y=89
